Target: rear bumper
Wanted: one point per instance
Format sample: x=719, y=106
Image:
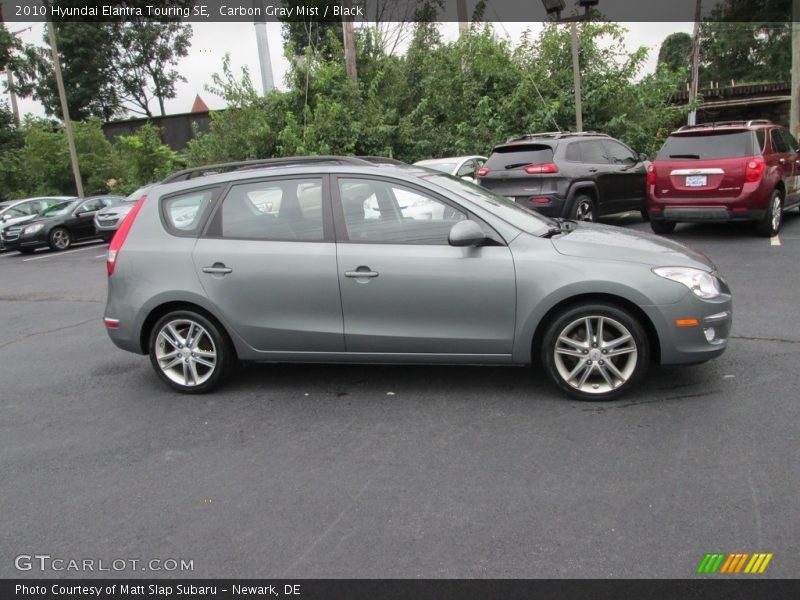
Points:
x=704, y=214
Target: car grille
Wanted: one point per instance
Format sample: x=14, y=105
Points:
x=107, y=221
x=11, y=234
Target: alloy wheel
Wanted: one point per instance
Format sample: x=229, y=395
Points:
x=584, y=211
x=776, y=213
x=60, y=239
x=185, y=352
x=595, y=354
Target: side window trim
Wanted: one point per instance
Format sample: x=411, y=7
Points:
x=213, y=226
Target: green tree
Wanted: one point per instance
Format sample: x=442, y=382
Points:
x=675, y=55
x=145, y=157
x=147, y=55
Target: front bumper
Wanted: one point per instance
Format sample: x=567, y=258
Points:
x=37, y=240
x=682, y=344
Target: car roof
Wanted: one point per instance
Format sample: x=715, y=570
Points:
x=723, y=127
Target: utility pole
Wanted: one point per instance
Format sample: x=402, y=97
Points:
x=73, y=154
x=264, y=59
x=10, y=77
x=692, y=120
x=463, y=19
x=349, y=41
x=576, y=78
x=794, y=116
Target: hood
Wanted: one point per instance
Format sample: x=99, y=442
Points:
x=17, y=221
x=593, y=240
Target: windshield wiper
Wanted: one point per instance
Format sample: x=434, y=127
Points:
x=562, y=226
x=516, y=165
x=694, y=156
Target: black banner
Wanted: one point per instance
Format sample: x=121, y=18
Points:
x=343, y=589
x=199, y=11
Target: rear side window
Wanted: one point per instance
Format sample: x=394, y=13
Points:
x=185, y=213
x=278, y=210
x=761, y=138
x=778, y=142
x=789, y=139
x=518, y=156
x=711, y=146
x=593, y=152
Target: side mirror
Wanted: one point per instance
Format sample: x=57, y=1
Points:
x=466, y=233
x=468, y=178
x=642, y=157
x=6, y=218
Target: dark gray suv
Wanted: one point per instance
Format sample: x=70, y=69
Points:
x=578, y=176
x=339, y=259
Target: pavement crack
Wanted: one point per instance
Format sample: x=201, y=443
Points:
x=764, y=339
x=45, y=332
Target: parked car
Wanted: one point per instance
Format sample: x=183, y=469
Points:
x=106, y=220
x=486, y=282
x=465, y=167
x=20, y=211
x=577, y=176
x=58, y=226
x=730, y=171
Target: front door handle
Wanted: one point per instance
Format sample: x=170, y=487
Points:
x=218, y=269
x=361, y=272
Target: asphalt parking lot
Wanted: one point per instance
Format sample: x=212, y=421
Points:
x=393, y=471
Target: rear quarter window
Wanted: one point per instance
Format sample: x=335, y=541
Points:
x=518, y=156
x=185, y=213
x=708, y=146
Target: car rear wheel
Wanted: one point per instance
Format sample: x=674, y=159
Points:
x=595, y=351
x=189, y=352
x=661, y=227
x=59, y=239
x=770, y=224
x=583, y=209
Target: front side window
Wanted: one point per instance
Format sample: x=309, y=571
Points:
x=618, y=153
x=278, y=210
x=383, y=212
x=788, y=140
x=467, y=169
x=593, y=152
x=778, y=143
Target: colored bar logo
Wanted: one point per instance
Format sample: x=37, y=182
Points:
x=734, y=563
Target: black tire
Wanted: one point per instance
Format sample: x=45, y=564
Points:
x=662, y=227
x=59, y=239
x=770, y=224
x=583, y=208
x=212, y=339
x=630, y=359
x=645, y=214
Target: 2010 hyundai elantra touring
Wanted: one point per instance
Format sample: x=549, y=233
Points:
x=330, y=259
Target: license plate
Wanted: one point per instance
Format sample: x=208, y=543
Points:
x=696, y=180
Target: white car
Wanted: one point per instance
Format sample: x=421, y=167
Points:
x=20, y=211
x=464, y=167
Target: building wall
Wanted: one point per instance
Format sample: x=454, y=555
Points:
x=176, y=130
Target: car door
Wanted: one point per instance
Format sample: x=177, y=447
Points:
x=629, y=178
x=791, y=168
x=268, y=263
x=405, y=290
x=81, y=222
x=596, y=166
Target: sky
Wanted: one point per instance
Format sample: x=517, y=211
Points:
x=210, y=42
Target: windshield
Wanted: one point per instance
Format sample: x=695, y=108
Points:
x=510, y=212
x=58, y=209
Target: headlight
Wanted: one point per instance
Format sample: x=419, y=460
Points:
x=702, y=283
x=31, y=229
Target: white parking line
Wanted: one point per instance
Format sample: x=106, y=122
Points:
x=775, y=241
x=102, y=256
x=57, y=254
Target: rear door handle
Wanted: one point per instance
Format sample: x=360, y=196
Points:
x=592, y=170
x=218, y=269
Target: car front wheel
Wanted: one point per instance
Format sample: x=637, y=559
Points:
x=189, y=352
x=59, y=239
x=595, y=351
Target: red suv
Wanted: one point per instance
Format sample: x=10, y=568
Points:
x=731, y=171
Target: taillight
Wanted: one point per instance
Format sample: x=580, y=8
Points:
x=755, y=169
x=542, y=168
x=119, y=237
x=483, y=171
x=651, y=175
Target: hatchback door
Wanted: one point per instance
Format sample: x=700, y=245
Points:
x=268, y=263
x=405, y=290
x=506, y=175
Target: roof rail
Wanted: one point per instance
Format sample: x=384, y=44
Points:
x=715, y=124
x=555, y=135
x=187, y=174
